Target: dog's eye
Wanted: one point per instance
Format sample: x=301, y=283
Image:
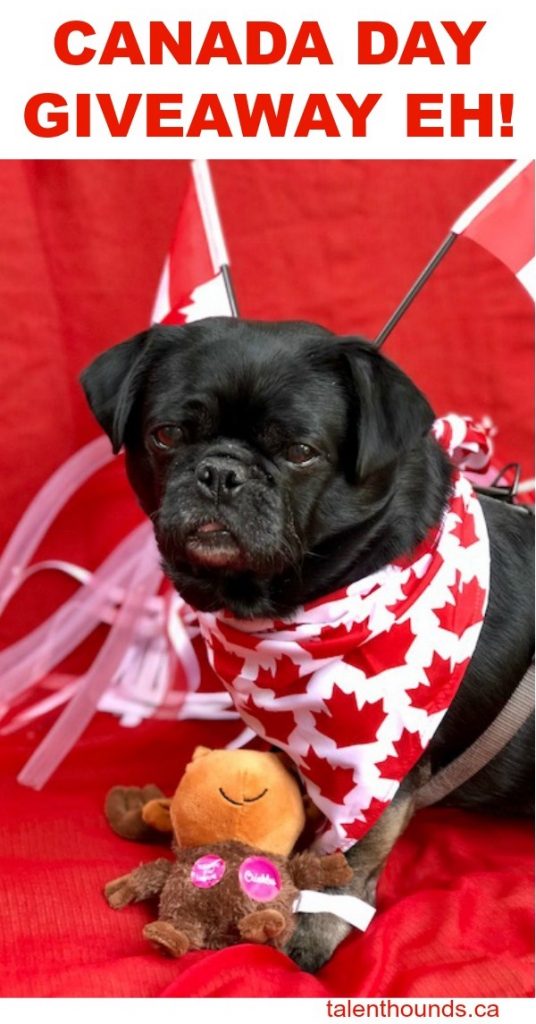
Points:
x=167, y=437
x=300, y=453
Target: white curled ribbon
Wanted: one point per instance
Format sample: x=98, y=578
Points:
x=349, y=908
x=147, y=665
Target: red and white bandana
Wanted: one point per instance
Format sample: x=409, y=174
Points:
x=354, y=686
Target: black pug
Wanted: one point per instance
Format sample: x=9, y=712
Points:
x=279, y=463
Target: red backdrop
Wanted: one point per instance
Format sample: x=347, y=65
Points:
x=336, y=242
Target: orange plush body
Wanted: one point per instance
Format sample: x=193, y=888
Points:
x=235, y=818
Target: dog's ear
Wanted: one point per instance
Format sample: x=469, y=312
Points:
x=389, y=411
x=111, y=383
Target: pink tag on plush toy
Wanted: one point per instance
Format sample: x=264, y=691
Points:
x=207, y=871
x=259, y=879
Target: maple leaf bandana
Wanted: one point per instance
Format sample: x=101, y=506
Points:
x=356, y=683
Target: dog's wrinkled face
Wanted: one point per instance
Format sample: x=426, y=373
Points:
x=241, y=438
x=243, y=446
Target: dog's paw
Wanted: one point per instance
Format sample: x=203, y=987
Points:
x=315, y=940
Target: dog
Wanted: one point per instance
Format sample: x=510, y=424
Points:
x=279, y=463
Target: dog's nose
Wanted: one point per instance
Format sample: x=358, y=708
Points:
x=220, y=477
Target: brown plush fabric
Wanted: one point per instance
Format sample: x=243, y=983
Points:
x=234, y=804
x=210, y=918
x=141, y=884
x=169, y=940
x=221, y=908
x=124, y=811
x=223, y=915
x=156, y=814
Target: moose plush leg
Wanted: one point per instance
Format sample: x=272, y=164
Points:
x=173, y=941
x=317, y=935
x=263, y=925
x=142, y=883
x=123, y=809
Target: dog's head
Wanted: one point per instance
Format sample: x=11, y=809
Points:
x=256, y=449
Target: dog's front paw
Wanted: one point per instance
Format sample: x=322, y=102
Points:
x=315, y=940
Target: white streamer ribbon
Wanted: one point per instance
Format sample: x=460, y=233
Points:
x=349, y=908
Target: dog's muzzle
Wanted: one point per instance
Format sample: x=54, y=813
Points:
x=220, y=477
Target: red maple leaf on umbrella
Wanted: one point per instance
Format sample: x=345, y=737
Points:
x=226, y=664
x=345, y=722
x=408, y=750
x=333, y=781
x=275, y=725
x=356, y=829
x=384, y=652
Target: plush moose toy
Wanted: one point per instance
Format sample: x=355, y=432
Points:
x=235, y=818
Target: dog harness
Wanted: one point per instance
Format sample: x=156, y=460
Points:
x=355, y=684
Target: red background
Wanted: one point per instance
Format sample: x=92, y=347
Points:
x=337, y=242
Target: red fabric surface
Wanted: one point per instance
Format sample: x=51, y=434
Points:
x=454, y=905
x=82, y=245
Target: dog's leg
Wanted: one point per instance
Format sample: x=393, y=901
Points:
x=317, y=936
